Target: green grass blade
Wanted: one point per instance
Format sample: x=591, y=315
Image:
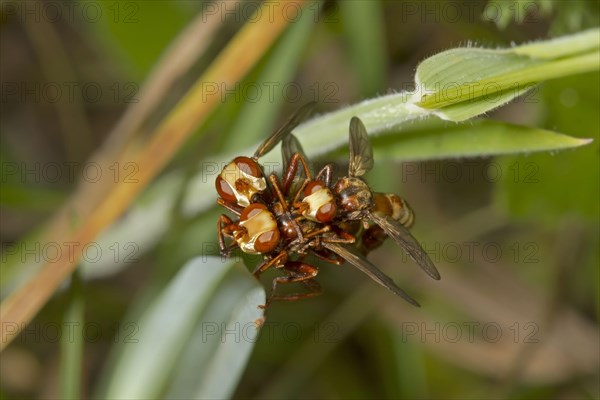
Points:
x=364, y=26
x=469, y=74
x=145, y=368
x=467, y=109
x=587, y=41
x=479, y=139
x=225, y=368
x=72, y=343
x=218, y=350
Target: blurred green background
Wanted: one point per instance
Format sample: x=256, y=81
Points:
x=515, y=238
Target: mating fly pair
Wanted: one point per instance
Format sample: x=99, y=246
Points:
x=337, y=221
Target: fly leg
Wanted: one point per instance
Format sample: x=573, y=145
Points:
x=325, y=175
x=234, y=208
x=339, y=237
x=297, y=271
x=276, y=261
x=328, y=256
x=226, y=227
x=284, y=204
x=333, y=237
x=292, y=168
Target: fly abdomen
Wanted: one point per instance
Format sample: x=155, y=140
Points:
x=395, y=207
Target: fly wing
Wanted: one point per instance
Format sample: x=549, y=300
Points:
x=372, y=271
x=287, y=128
x=361, y=153
x=409, y=244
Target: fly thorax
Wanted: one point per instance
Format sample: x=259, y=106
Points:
x=354, y=196
x=242, y=182
x=261, y=228
x=321, y=205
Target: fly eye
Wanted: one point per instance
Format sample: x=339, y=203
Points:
x=252, y=210
x=248, y=166
x=326, y=212
x=267, y=241
x=225, y=190
x=312, y=187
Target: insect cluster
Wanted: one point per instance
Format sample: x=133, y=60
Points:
x=286, y=218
